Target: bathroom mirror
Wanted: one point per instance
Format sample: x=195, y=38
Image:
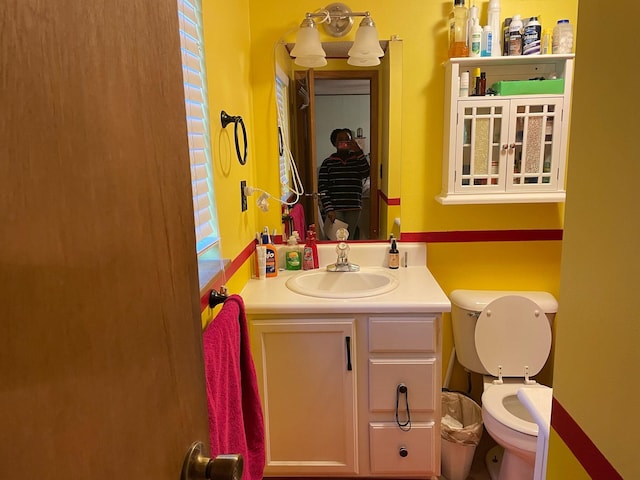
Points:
x=342, y=96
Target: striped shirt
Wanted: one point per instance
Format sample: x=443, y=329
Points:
x=340, y=182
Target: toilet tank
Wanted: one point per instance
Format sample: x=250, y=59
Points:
x=466, y=306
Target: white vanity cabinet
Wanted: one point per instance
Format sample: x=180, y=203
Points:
x=349, y=395
x=506, y=149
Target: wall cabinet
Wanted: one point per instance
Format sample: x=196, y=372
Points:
x=506, y=149
x=350, y=395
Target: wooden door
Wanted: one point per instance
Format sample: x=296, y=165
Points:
x=101, y=370
x=305, y=143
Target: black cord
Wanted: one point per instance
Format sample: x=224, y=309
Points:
x=402, y=389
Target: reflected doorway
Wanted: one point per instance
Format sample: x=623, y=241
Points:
x=337, y=99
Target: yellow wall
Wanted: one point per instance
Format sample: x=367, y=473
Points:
x=417, y=147
x=597, y=338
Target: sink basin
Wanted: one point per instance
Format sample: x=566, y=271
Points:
x=323, y=284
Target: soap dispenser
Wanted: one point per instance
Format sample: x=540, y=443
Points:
x=293, y=258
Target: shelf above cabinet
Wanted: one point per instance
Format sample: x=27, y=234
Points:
x=513, y=60
x=494, y=198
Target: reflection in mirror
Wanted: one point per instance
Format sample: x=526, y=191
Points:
x=341, y=96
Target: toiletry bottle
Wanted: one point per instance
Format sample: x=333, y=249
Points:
x=292, y=255
x=271, y=254
x=314, y=245
x=515, y=36
x=464, y=84
x=482, y=84
x=261, y=257
x=308, y=262
x=486, y=46
x=472, y=19
x=562, y=41
x=531, y=37
x=458, y=30
x=394, y=255
x=505, y=36
x=545, y=46
x=476, y=81
x=476, y=40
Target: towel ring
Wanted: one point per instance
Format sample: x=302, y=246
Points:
x=225, y=120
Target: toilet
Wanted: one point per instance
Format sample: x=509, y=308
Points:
x=506, y=337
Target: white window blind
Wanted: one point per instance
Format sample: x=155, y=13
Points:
x=195, y=93
x=282, y=99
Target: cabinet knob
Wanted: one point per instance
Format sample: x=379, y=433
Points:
x=512, y=146
x=403, y=452
x=505, y=146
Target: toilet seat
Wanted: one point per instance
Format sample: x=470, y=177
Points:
x=513, y=337
x=492, y=402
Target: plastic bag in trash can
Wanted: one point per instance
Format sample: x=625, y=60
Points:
x=461, y=419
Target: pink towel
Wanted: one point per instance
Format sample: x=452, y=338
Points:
x=297, y=216
x=235, y=414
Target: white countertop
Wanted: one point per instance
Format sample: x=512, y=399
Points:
x=417, y=292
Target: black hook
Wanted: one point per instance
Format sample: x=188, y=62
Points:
x=216, y=298
x=226, y=119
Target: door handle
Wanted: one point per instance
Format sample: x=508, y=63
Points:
x=198, y=467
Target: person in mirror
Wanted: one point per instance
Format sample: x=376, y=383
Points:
x=340, y=181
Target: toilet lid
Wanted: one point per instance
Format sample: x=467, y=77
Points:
x=513, y=332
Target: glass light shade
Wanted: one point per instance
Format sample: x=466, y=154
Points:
x=311, y=61
x=366, y=43
x=307, y=42
x=363, y=61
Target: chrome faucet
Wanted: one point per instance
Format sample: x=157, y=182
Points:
x=342, y=263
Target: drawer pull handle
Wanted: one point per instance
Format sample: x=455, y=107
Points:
x=402, y=389
x=403, y=452
x=348, y=343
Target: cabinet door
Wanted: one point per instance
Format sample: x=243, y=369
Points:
x=481, y=131
x=307, y=377
x=534, y=145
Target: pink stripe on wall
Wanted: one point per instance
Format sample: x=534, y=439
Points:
x=387, y=200
x=593, y=461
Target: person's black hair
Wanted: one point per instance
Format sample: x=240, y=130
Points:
x=337, y=131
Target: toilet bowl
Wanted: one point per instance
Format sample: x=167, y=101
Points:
x=511, y=425
x=506, y=337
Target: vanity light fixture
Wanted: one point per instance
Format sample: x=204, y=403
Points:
x=337, y=20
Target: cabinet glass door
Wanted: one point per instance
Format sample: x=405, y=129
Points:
x=534, y=145
x=481, y=130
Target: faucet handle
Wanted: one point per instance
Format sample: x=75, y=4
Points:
x=342, y=234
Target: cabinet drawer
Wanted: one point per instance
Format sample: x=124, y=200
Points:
x=388, y=334
x=417, y=374
x=387, y=444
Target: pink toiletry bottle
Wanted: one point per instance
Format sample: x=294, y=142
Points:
x=310, y=252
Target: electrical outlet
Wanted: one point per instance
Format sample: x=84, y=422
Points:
x=243, y=197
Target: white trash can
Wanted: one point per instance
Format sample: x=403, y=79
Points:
x=461, y=429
